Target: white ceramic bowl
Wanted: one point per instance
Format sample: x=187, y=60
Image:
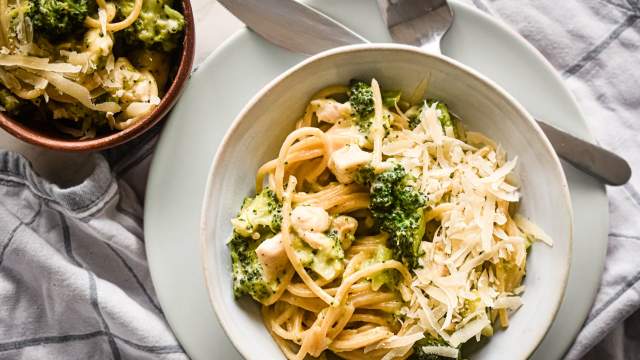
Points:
x=259, y=130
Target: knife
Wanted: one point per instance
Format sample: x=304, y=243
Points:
x=292, y=25
x=300, y=28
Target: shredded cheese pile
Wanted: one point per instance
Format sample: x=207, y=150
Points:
x=472, y=269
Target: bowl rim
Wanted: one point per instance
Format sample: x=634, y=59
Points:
x=185, y=65
x=207, y=204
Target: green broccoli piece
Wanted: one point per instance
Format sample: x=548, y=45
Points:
x=362, y=103
x=509, y=275
x=76, y=112
x=364, y=175
x=326, y=262
x=159, y=25
x=398, y=209
x=471, y=306
x=81, y=120
x=392, y=188
x=10, y=103
x=418, y=353
x=388, y=278
x=406, y=229
x=390, y=98
x=361, y=100
x=17, y=107
x=247, y=273
x=304, y=252
x=445, y=117
x=56, y=19
x=259, y=214
x=383, y=188
x=413, y=114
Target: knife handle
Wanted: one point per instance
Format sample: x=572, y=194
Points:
x=596, y=161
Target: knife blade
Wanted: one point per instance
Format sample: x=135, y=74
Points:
x=300, y=28
x=292, y=25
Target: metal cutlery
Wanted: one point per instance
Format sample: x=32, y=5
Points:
x=277, y=20
x=422, y=23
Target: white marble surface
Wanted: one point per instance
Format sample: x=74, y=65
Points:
x=214, y=24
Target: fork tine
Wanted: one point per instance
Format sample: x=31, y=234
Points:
x=420, y=23
x=399, y=11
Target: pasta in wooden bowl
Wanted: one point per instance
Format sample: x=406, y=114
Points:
x=85, y=74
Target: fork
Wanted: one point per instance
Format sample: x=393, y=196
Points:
x=423, y=23
x=420, y=23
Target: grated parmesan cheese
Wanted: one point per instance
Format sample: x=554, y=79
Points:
x=444, y=351
x=37, y=63
x=469, y=188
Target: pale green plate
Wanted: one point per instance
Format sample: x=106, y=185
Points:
x=237, y=70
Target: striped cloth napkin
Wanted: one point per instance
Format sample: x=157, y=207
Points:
x=74, y=282
x=595, y=45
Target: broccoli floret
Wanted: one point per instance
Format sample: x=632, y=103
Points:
x=364, y=175
x=17, y=107
x=509, y=275
x=56, y=19
x=413, y=114
x=80, y=120
x=11, y=103
x=389, y=277
x=471, y=306
x=259, y=214
x=406, y=228
x=304, y=252
x=159, y=25
x=262, y=216
x=390, y=98
x=362, y=103
x=248, y=275
x=361, y=100
x=418, y=353
x=325, y=262
x=398, y=209
x=445, y=117
x=76, y=112
x=328, y=263
x=383, y=188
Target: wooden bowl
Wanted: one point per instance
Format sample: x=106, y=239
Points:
x=48, y=137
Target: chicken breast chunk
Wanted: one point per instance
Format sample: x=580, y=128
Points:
x=310, y=222
x=272, y=257
x=346, y=161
